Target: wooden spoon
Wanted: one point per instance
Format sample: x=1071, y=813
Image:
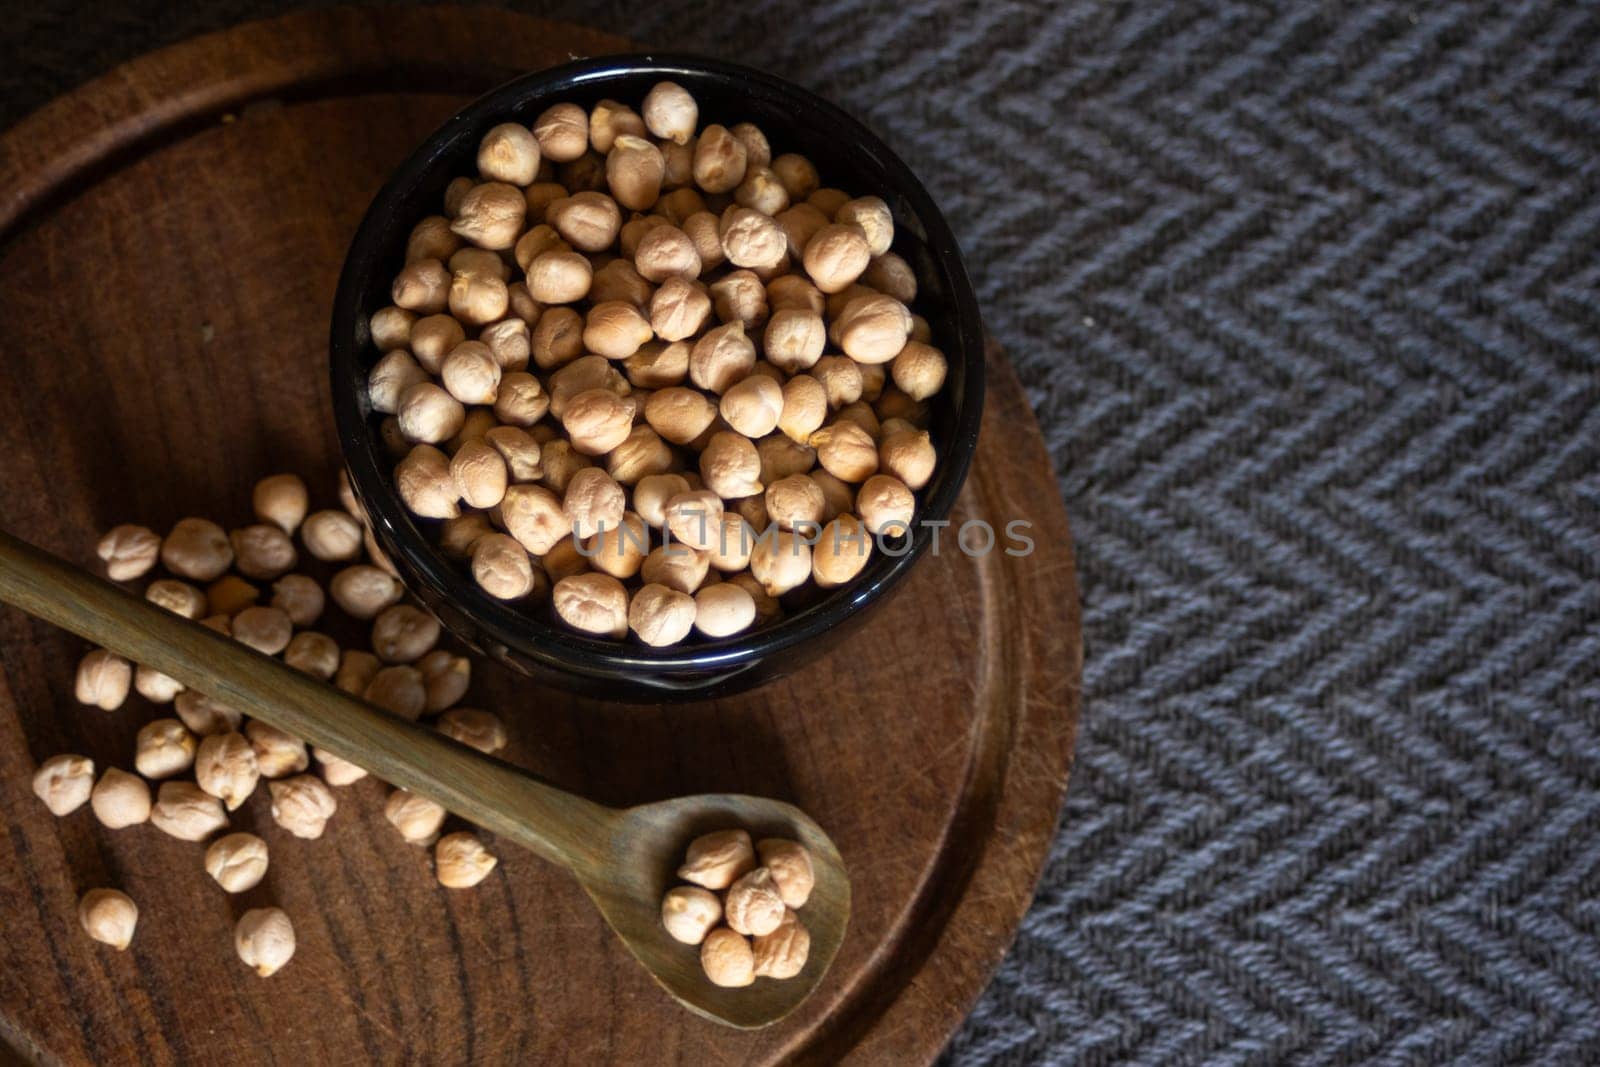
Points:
x=624, y=859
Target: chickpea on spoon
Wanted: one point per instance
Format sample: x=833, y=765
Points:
x=624, y=859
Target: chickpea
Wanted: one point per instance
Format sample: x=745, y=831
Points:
x=196, y=549
x=336, y=770
x=104, y=679
x=445, y=678
x=716, y=860
x=429, y=415
x=64, y=783
x=422, y=286
x=431, y=340
x=479, y=474
x=389, y=328
x=619, y=549
x=426, y=485
x=564, y=560
x=279, y=753
x=237, y=862
x=509, y=153
x=761, y=191
x=664, y=252
x=491, y=216
x=677, y=205
x=678, y=311
x=767, y=607
x=597, y=420
x=298, y=597
x=670, y=112
x=694, y=518
x=838, y=496
x=651, y=494
x=752, y=905
x=753, y=406
x=356, y=671
x=731, y=542
x=593, y=603
x=615, y=329
x=873, y=328
x=862, y=415
x=404, y=634
x=909, y=455
x=783, y=953
x=719, y=160
x=109, y=916
x=163, y=748
x=640, y=454
x=798, y=175
x=751, y=239
x=919, y=370
x=589, y=221
x=609, y=120
x=416, y=817
x=562, y=132
x=795, y=503
x=723, y=609
x=780, y=561
x=676, y=566
x=204, y=715
x=740, y=297
x=559, y=277
x=793, y=292
x=593, y=501
x=510, y=342
x=399, y=691
x=885, y=504
x=180, y=598
x=704, y=231
x=128, y=552
x=264, y=939
x=474, y=728
x=872, y=217
x=689, y=913
x=431, y=239
x=187, y=812
x=678, y=414
x=461, y=861
x=634, y=170
x=225, y=767
x=661, y=615
x=846, y=451
x=835, y=256
x=230, y=594
x=302, y=805
x=721, y=358
x=154, y=686
x=331, y=536
x=727, y=958
x=478, y=299
x=534, y=516
x=362, y=590
x=262, y=552
x=657, y=365
x=731, y=466
x=841, y=551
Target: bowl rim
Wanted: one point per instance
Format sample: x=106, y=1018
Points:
x=552, y=646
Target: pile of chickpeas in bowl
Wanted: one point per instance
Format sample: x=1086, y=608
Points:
x=645, y=372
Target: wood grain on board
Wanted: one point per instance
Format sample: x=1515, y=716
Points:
x=170, y=235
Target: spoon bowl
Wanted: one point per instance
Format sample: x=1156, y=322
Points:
x=639, y=865
x=624, y=859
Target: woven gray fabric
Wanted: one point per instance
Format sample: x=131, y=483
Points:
x=1304, y=297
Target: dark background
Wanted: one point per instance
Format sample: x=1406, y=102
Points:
x=1304, y=296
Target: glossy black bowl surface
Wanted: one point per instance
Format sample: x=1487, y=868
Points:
x=848, y=156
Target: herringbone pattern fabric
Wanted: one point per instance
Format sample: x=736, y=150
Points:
x=1305, y=298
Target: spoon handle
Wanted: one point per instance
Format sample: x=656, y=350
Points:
x=564, y=829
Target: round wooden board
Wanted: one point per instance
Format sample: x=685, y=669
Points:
x=170, y=235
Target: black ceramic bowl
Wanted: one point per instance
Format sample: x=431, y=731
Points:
x=848, y=156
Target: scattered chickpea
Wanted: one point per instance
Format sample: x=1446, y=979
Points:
x=180, y=598
x=163, y=748
x=362, y=590
x=225, y=767
x=64, y=783
x=337, y=770
x=404, y=634
x=120, y=799
x=230, y=595
x=109, y=916
x=278, y=753
x=481, y=730
x=205, y=716
x=104, y=679
x=282, y=498
x=262, y=552
x=154, y=686
x=197, y=549
x=264, y=940
x=461, y=861
x=128, y=552
x=237, y=862
x=298, y=597
x=416, y=817
x=302, y=805
x=187, y=812
x=445, y=678
x=399, y=691
x=266, y=630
